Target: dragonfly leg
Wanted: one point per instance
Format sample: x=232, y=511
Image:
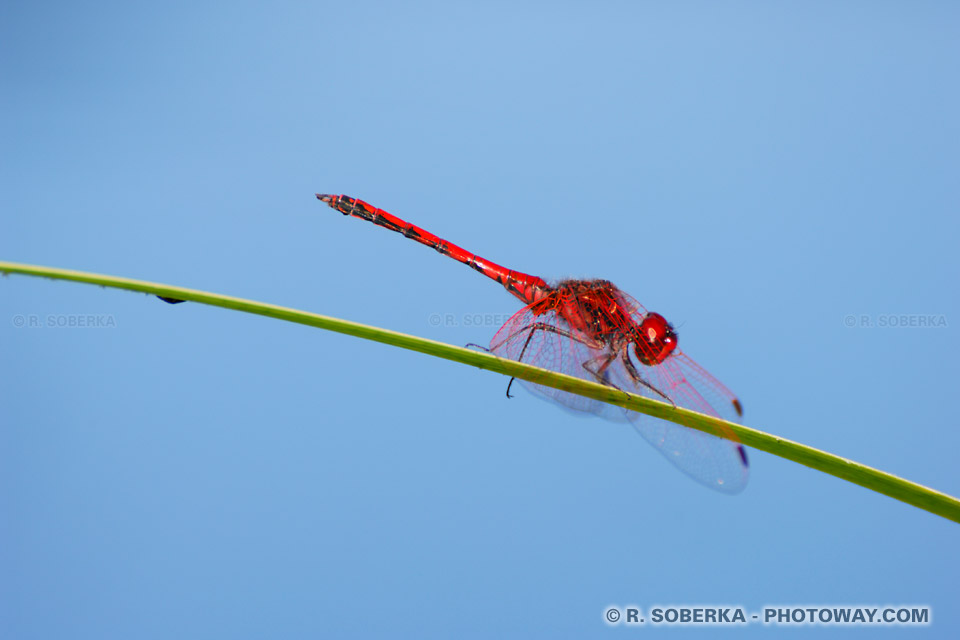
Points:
x=632, y=370
x=600, y=373
x=541, y=326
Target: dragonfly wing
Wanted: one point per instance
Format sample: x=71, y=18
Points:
x=547, y=341
x=716, y=462
x=712, y=392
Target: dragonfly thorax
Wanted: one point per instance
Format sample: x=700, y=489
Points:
x=591, y=308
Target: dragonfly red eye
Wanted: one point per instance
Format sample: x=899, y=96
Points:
x=655, y=339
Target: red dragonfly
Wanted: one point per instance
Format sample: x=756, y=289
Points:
x=591, y=330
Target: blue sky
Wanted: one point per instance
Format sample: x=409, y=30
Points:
x=757, y=173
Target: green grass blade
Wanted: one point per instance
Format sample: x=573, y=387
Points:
x=898, y=488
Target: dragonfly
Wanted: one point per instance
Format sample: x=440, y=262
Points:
x=592, y=330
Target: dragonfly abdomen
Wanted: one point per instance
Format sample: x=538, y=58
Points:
x=524, y=286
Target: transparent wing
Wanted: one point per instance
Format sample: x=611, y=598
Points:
x=548, y=341
x=715, y=462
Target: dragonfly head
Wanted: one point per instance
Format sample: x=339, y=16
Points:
x=654, y=339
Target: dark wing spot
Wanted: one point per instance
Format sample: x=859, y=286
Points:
x=171, y=300
x=743, y=455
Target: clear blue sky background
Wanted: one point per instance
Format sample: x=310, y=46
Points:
x=756, y=172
